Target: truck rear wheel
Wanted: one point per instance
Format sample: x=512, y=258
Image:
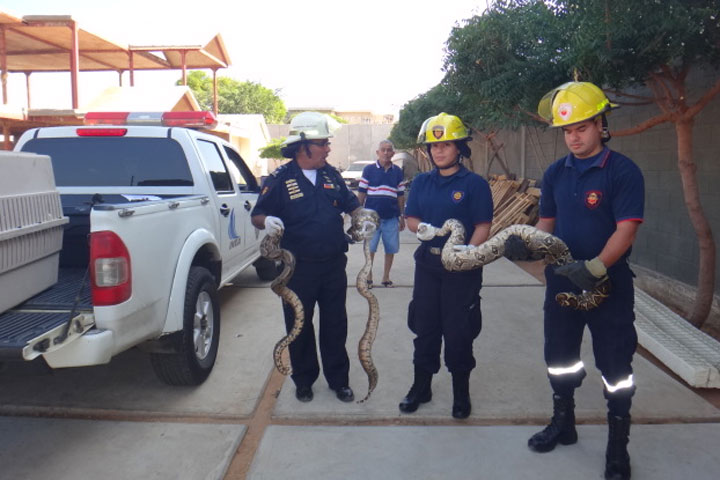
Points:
x=196, y=346
x=267, y=270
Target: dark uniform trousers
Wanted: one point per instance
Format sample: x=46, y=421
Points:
x=612, y=329
x=445, y=305
x=324, y=282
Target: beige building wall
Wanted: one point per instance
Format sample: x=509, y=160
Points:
x=350, y=143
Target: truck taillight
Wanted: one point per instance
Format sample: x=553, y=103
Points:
x=166, y=119
x=101, y=132
x=110, y=274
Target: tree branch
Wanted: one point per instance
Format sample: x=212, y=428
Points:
x=704, y=100
x=660, y=82
x=661, y=102
x=634, y=104
x=646, y=125
x=619, y=93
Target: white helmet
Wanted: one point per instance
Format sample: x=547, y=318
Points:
x=309, y=126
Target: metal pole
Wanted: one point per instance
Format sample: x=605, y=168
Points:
x=74, y=63
x=3, y=64
x=215, y=91
x=27, y=88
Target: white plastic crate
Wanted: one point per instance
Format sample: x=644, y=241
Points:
x=31, y=223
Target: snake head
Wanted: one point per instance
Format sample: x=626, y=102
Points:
x=365, y=223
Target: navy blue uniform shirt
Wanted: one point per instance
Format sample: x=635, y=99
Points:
x=588, y=205
x=383, y=187
x=464, y=196
x=311, y=213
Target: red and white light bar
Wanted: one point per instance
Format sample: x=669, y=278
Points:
x=167, y=119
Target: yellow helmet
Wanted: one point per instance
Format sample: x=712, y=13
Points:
x=573, y=102
x=442, y=128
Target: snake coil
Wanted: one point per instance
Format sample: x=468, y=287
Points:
x=542, y=244
x=364, y=224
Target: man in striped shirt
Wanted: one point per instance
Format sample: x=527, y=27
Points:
x=382, y=188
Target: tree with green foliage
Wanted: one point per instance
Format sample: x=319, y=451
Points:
x=404, y=133
x=272, y=149
x=237, y=97
x=498, y=65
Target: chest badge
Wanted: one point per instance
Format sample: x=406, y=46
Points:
x=457, y=196
x=293, y=189
x=593, y=199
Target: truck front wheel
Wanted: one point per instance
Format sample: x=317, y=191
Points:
x=196, y=347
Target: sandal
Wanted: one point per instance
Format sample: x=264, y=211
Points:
x=388, y=284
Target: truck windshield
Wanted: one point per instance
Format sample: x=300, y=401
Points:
x=114, y=162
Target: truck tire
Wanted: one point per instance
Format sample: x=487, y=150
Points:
x=196, y=346
x=267, y=270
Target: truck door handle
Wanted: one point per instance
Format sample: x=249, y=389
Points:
x=248, y=205
x=224, y=210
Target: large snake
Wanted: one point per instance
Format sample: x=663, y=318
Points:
x=542, y=244
x=270, y=249
x=364, y=224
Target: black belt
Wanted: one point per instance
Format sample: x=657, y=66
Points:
x=318, y=259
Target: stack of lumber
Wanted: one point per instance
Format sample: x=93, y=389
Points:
x=515, y=201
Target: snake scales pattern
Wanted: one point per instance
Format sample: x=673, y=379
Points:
x=542, y=244
x=364, y=224
x=270, y=249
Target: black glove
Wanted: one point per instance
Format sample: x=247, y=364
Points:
x=515, y=249
x=586, y=274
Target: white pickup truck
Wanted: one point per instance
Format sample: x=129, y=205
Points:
x=159, y=219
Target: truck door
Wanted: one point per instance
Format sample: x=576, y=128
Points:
x=233, y=217
x=248, y=191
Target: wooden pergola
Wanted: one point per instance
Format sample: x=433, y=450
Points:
x=55, y=43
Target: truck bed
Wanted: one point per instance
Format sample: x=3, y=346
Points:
x=43, y=313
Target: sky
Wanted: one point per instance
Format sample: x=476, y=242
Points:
x=370, y=54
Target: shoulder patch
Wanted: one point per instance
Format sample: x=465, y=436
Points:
x=279, y=170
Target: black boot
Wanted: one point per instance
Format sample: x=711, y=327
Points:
x=617, y=460
x=561, y=429
x=420, y=392
x=461, y=394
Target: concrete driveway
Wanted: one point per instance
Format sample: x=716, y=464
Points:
x=118, y=421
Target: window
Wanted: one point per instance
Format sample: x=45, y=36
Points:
x=240, y=172
x=114, y=162
x=215, y=166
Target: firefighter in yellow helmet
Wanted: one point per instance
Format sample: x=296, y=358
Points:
x=445, y=306
x=593, y=199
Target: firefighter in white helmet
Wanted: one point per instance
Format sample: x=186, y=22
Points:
x=306, y=197
x=593, y=200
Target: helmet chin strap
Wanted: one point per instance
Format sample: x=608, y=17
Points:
x=458, y=161
x=305, y=145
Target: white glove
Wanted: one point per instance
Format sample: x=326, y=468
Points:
x=425, y=232
x=273, y=225
x=463, y=248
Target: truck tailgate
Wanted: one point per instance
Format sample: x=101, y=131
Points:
x=38, y=325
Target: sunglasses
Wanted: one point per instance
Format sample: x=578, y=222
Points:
x=320, y=143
